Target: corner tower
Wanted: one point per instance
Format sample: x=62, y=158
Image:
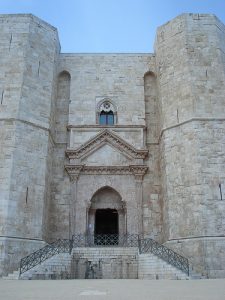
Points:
x=29, y=50
x=190, y=58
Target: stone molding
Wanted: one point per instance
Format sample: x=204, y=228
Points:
x=106, y=137
x=138, y=171
x=75, y=170
x=69, y=127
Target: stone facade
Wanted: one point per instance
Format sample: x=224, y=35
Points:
x=154, y=166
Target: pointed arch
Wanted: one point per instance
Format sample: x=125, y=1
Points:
x=106, y=112
x=106, y=213
x=61, y=115
x=63, y=85
x=107, y=191
x=151, y=105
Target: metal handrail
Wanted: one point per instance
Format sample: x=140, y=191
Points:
x=37, y=257
x=168, y=255
x=104, y=240
x=79, y=240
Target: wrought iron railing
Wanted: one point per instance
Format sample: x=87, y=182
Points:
x=37, y=257
x=79, y=240
x=104, y=240
x=99, y=240
x=168, y=255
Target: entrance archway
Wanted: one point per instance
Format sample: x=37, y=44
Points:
x=107, y=213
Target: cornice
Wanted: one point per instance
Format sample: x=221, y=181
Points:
x=106, y=137
x=105, y=127
x=75, y=170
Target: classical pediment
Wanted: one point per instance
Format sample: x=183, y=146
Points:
x=106, y=155
x=106, y=137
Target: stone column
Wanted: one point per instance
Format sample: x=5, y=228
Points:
x=73, y=171
x=139, y=172
x=73, y=204
x=121, y=221
x=139, y=197
x=91, y=221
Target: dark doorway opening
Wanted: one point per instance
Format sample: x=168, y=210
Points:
x=106, y=227
x=106, y=221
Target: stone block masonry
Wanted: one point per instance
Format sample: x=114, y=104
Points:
x=113, y=143
x=29, y=49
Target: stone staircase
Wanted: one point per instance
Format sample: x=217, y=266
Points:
x=61, y=261
x=12, y=276
x=152, y=267
x=55, y=267
x=105, y=262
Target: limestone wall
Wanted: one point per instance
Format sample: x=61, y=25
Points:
x=93, y=77
x=171, y=103
x=152, y=198
x=117, y=76
x=28, y=57
x=189, y=54
x=60, y=196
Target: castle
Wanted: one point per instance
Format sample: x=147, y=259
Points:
x=113, y=143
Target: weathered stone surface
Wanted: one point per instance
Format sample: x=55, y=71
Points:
x=162, y=160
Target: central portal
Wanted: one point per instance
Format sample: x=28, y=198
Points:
x=106, y=221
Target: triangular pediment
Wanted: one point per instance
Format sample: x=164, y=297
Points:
x=106, y=137
x=106, y=155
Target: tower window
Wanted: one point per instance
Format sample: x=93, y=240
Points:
x=106, y=118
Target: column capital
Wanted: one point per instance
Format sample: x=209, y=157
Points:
x=138, y=171
x=74, y=171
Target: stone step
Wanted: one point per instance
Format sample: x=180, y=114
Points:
x=153, y=267
x=117, y=261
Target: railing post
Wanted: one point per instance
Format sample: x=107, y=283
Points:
x=139, y=243
x=71, y=245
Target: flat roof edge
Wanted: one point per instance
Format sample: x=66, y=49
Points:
x=107, y=54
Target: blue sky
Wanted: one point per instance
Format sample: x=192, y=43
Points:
x=110, y=25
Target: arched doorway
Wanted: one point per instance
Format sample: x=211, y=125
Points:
x=107, y=213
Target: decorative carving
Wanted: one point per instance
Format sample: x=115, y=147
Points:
x=76, y=170
x=107, y=170
x=106, y=136
x=138, y=171
x=106, y=104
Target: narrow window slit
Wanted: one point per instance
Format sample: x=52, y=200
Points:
x=221, y=195
x=177, y=116
x=26, y=195
x=39, y=64
x=2, y=97
x=10, y=42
